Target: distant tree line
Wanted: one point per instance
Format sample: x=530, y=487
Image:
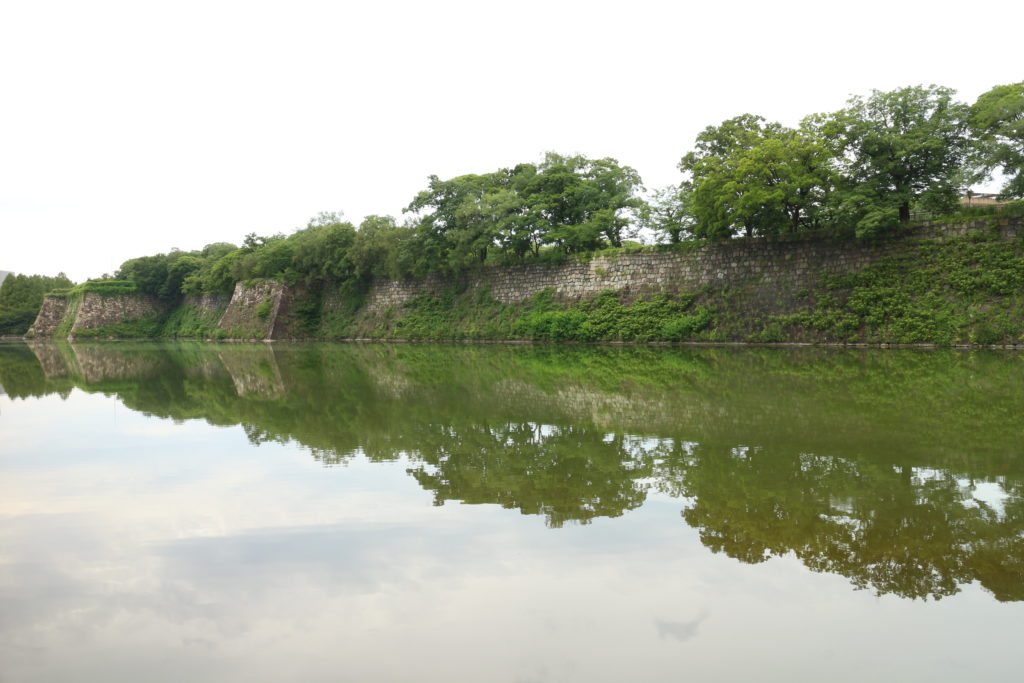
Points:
x=865, y=168
x=20, y=299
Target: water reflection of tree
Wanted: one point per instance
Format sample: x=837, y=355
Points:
x=880, y=524
x=818, y=455
x=565, y=473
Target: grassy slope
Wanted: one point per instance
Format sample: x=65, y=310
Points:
x=967, y=290
x=189, y=321
x=963, y=290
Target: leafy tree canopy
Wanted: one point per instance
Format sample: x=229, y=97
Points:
x=668, y=213
x=895, y=150
x=997, y=119
x=757, y=178
x=571, y=202
x=21, y=297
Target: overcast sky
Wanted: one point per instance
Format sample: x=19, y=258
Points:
x=128, y=129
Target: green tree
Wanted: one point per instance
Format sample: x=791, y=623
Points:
x=201, y=280
x=323, y=250
x=221, y=278
x=149, y=273
x=787, y=175
x=179, y=267
x=523, y=227
x=583, y=202
x=897, y=149
x=997, y=120
x=710, y=170
x=552, y=196
x=758, y=178
x=263, y=257
x=668, y=213
x=381, y=248
x=451, y=233
x=572, y=202
x=21, y=296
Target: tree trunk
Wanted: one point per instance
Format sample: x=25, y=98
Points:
x=904, y=212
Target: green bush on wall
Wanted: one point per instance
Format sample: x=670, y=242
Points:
x=263, y=309
x=607, y=318
x=964, y=290
x=106, y=287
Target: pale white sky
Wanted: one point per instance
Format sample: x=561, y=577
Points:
x=130, y=128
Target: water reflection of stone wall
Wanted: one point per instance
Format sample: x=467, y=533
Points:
x=51, y=358
x=602, y=409
x=95, y=363
x=818, y=454
x=253, y=371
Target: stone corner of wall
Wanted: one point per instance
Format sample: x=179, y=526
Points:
x=241, y=315
x=51, y=314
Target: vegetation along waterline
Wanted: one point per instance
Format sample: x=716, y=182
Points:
x=851, y=228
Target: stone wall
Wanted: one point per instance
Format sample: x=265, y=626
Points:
x=50, y=316
x=91, y=311
x=244, y=319
x=767, y=271
x=97, y=310
x=286, y=323
x=759, y=264
x=213, y=304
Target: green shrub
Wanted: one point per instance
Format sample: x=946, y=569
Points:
x=685, y=326
x=607, y=318
x=145, y=328
x=107, y=287
x=955, y=291
x=263, y=309
x=16, y=322
x=772, y=333
x=188, y=321
x=987, y=334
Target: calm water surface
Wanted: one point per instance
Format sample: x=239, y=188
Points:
x=202, y=512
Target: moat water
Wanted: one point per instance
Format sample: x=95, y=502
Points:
x=328, y=512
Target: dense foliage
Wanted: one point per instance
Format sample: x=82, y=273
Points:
x=20, y=299
x=997, y=119
x=859, y=171
x=963, y=291
x=106, y=287
x=756, y=178
x=608, y=317
x=573, y=203
x=898, y=150
x=564, y=205
x=864, y=169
